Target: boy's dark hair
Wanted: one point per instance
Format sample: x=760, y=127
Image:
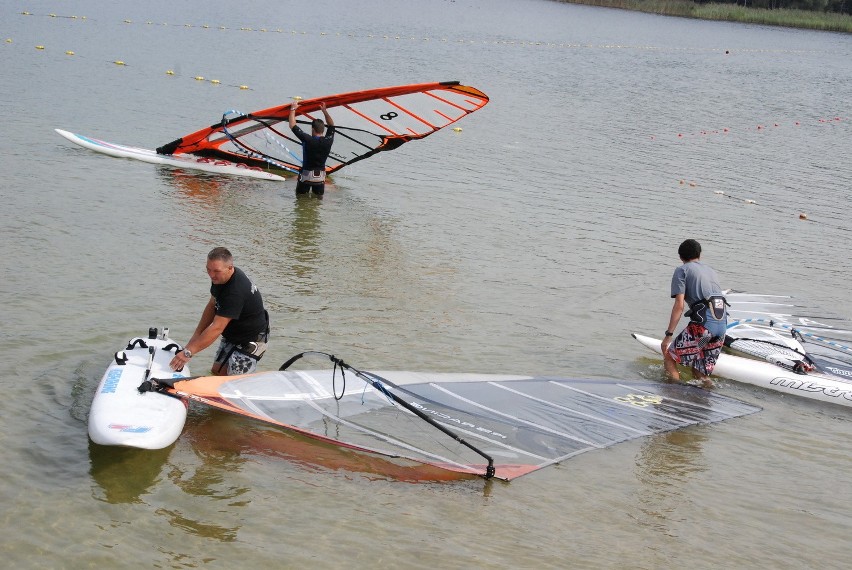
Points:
x=689, y=250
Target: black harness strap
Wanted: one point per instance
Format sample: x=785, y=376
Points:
x=714, y=303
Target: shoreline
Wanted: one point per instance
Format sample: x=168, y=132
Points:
x=802, y=19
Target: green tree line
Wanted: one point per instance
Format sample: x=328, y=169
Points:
x=837, y=6
x=826, y=15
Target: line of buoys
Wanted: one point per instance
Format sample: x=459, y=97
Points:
x=121, y=63
x=759, y=128
x=521, y=43
x=55, y=16
x=749, y=201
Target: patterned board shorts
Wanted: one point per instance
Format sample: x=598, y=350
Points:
x=697, y=348
x=238, y=361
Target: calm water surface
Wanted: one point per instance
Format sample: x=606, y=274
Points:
x=535, y=240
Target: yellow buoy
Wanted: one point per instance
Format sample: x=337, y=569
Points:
x=169, y=72
x=244, y=86
x=199, y=78
x=297, y=98
x=8, y=40
x=39, y=47
x=69, y=52
x=215, y=81
x=118, y=62
x=457, y=129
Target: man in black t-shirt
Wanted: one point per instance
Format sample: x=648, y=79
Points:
x=235, y=311
x=315, y=150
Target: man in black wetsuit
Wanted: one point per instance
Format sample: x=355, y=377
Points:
x=235, y=311
x=315, y=150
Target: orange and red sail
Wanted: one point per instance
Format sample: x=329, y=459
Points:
x=366, y=122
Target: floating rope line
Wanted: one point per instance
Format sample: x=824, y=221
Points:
x=396, y=37
x=123, y=63
x=760, y=128
x=724, y=194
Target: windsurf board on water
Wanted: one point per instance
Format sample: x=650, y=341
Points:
x=813, y=385
x=767, y=344
x=120, y=414
x=188, y=161
x=261, y=144
x=780, y=330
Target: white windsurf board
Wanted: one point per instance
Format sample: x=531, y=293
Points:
x=121, y=415
x=188, y=161
x=815, y=386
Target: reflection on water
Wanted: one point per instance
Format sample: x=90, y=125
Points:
x=179, y=521
x=201, y=190
x=123, y=475
x=667, y=463
x=671, y=457
x=224, y=441
x=210, y=439
x=303, y=239
x=664, y=466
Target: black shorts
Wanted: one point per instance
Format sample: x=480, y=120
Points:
x=305, y=187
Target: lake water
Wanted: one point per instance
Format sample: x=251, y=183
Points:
x=533, y=241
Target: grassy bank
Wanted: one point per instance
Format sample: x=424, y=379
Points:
x=732, y=13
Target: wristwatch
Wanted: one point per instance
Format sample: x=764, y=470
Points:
x=668, y=333
x=187, y=353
